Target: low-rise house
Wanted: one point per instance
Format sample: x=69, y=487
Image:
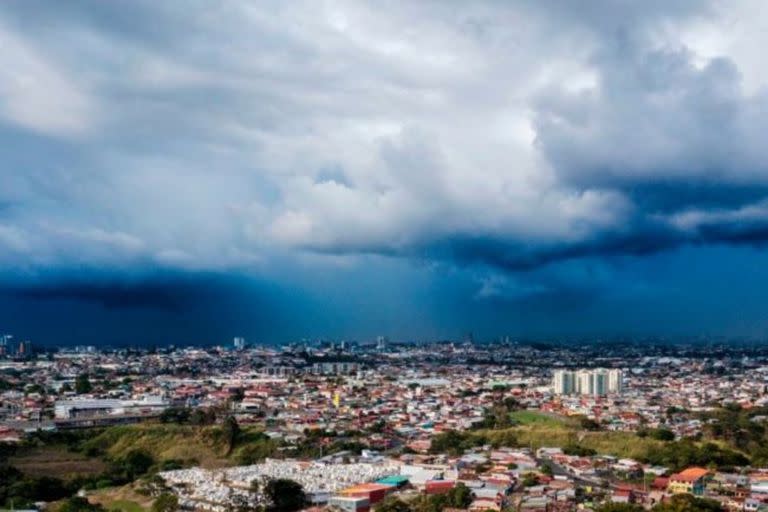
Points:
x=692, y=480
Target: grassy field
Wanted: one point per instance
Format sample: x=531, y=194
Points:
x=525, y=418
x=56, y=461
x=165, y=442
x=125, y=506
x=538, y=429
x=121, y=499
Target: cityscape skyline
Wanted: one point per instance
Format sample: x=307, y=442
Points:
x=403, y=256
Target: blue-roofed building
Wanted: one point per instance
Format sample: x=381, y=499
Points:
x=396, y=480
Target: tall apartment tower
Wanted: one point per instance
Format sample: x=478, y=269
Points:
x=597, y=382
x=563, y=382
x=615, y=381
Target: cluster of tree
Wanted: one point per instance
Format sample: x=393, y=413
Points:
x=78, y=504
x=498, y=416
x=686, y=452
x=83, y=384
x=319, y=442
x=457, y=442
x=578, y=450
x=678, y=503
x=73, y=440
x=255, y=448
x=454, y=442
x=739, y=428
x=589, y=424
x=20, y=491
x=166, y=502
x=133, y=465
x=660, y=434
x=187, y=416
x=284, y=495
x=530, y=480
x=459, y=497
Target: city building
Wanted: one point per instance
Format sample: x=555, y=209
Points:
x=691, y=480
x=595, y=382
x=564, y=382
x=93, y=407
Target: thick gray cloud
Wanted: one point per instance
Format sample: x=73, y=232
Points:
x=191, y=135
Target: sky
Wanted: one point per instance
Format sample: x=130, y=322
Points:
x=189, y=171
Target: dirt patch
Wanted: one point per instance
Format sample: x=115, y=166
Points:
x=56, y=462
x=121, y=499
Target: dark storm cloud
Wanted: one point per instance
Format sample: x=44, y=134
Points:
x=147, y=139
x=110, y=294
x=164, y=290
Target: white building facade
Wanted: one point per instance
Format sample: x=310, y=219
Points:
x=593, y=382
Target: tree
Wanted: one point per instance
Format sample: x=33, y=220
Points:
x=256, y=451
x=178, y=415
x=231, y=431
x=378, y=427
x=589, y=424
x=662, y=434
x=688, y=503
x=530, y=480
x=202, y=416
x=155, y=485
x=135, y=463
x=619, y=507
x=83, y=384
x=459, y=497
x=450, y=441
x=35, y=388
x=285, y=495
x=433, y=503
x=166, y=502
x=393, y=504
x=77, y=504
x=578, y=450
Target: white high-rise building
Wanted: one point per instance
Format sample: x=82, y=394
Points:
x=615, y=381
x=585, y=382
x=563, y=382
x=596, y=382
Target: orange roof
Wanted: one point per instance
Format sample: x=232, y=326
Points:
x=365, y=488
x=690, y=474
